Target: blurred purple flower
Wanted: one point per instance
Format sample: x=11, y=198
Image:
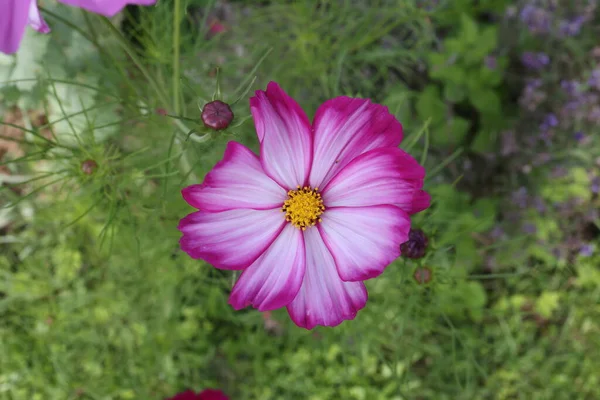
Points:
x=532, y=95
x=572, y=27
x=571, y=87
x=579, y=136
x=520, y=197
x=508, y=143
x=537, y=19
x=539, y=204
x=559, y=172
x=550, y=121
x=594, y=115
x=542, y=158
x=595, y=185
x=491, y=62
x=529, y=228
x=594, y=80
x=587, y=250
x=497, y=232
x=557, y=253
x=535, y=61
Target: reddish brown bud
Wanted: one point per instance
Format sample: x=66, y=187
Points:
x=416, y=245
x=161, y=111
x=88, y=167
x=423, y=275
x=217, y=115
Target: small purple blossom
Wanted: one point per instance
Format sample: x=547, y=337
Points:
x=529, y=228
x=542, y=158
x=587, y=250
x=539, y=204
x=550, y=121
x=535, y=61
x=579, y=136
x=594, y=80
x=593, y=115
x=532, y=95
x=520, y=197
x=571, y=87
x=559, y=172
x=537, y=19
x=508, y=143
x=572, y=27
x=557, y=253
x=595, y=186
x=497, y=232
x=491, y=62
x=546, y=137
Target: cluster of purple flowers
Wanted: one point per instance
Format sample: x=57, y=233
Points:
x=571, y=27
x=537, y=19
x=542, y=19
x=553, y=119
x=594, y=80
x=535, y=61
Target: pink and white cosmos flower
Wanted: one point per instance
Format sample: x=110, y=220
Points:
x=323, y=208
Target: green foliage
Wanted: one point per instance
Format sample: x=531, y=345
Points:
x=460, y=67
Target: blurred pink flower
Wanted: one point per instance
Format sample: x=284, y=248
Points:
x=17, y=14
x=325, y=207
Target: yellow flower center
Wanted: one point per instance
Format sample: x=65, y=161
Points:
x=303, y=207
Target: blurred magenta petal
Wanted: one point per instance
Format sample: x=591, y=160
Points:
x=14, y=15
x=212, y=394
x=35, y=19
x=105, y=7
x=206, y=394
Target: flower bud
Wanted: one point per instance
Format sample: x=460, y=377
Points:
x=88, y=167
x=423, y=275
x=217, y=115
x=416, y=245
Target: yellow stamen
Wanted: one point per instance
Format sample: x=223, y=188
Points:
x=303, y=207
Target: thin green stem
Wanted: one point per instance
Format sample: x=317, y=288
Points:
x=185, y=164
x=136, y=60
x=176, y=40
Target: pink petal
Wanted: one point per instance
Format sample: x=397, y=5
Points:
x=284, y=134
x=107, y=8
x=381, y=176
x=345, y=128
x=230, y=239
x=274, y=279
x=35, y=19
x=364, y=240
x=211, y=394
x=324, y=299
x=237, y=181
x=13, y=20
x=420, y=201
